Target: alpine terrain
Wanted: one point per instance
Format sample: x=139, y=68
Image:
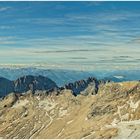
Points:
x=35, y=107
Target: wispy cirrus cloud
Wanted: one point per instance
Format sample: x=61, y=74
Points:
x=69, y=51
x=105, y=26
x=2, y=9
x=60, y=33
x=5, y=27
x=7, y=40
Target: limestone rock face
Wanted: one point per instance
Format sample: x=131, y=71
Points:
x=113, y=112
x=9, y=100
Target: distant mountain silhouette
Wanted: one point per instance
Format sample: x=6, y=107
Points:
x=62, y=77
x=33, y=83
x=6, y=86
x=26, y=83
x=79, y=86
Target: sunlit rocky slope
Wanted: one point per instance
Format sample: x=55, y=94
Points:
x=110, y=111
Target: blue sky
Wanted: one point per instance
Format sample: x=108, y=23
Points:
x=71, y=35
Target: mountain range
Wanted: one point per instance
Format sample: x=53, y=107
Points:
x=36, y=107
x=41, y=83
x=12, y=79
x=62, y=77
x=85, y=109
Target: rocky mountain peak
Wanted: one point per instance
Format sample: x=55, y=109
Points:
x=81, y=85
x=25, y=83
x=33, y=83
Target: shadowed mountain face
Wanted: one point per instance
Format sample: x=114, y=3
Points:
x=6, y=86
x=114, y=112
x=34, y=83
x=79, y=86
x=26, y=83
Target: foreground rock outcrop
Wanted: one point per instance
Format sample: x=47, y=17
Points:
x=114, y=112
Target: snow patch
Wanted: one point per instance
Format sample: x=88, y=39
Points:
x=62, y=112
x=20, y=103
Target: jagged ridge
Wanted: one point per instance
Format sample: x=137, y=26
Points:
x=112, y=113
x=26, y=83
x=34, y=83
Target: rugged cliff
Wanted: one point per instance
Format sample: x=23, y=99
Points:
x=113, y=112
